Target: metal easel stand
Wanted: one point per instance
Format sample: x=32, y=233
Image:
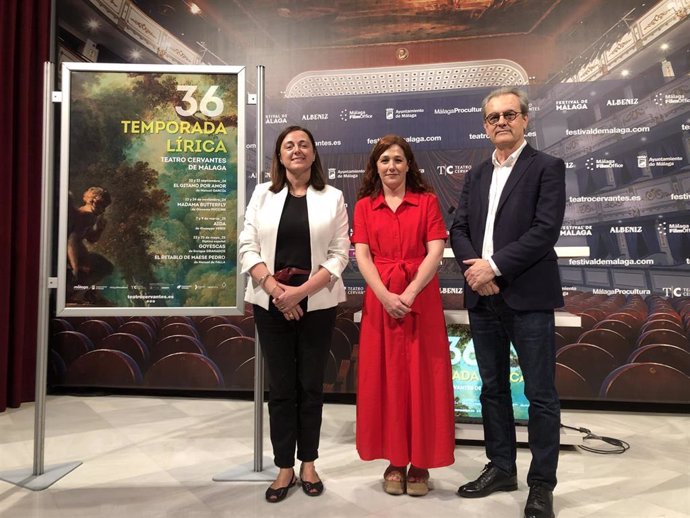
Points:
x=40, y=477
x=254, y=471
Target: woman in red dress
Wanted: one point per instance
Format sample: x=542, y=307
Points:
x=405, y=394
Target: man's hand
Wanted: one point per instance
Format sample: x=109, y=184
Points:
x=490, y=288
x=479, y=273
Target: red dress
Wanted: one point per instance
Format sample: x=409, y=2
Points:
x=405, y=392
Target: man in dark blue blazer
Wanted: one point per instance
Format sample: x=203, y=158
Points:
x=506, y=225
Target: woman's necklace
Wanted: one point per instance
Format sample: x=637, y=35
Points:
x=297, y=182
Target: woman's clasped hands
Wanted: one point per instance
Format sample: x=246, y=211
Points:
x=286, y=299
x=395, y=305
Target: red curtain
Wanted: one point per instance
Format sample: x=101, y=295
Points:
x=24, y=47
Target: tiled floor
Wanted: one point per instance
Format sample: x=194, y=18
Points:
x=154, y=457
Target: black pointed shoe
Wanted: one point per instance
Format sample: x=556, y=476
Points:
x=539, y=502
x=491, y=479
x=278, y=494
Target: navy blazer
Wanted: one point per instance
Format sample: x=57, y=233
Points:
x=527, y=226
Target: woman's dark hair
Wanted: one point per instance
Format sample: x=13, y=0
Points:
x=278, y=174
x=371, y=183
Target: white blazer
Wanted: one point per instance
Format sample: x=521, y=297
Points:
x=328, y=237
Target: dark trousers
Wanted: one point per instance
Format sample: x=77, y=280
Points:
x=296, y=354
x=494, y=326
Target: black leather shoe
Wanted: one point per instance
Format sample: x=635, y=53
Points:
x=539, y=502
x=492, y=479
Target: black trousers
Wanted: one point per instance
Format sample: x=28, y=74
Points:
x=296, y=354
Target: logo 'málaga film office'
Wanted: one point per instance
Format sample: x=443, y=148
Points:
x=665, y=228
x=593, y=163
x=677, y=96
x=347, y=115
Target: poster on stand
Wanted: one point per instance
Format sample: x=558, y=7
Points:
x=151, y=189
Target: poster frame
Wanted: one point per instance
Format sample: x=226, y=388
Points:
x=62, y=308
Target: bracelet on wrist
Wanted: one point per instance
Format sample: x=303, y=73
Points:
x=263, y=280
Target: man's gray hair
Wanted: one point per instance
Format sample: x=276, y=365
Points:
x=507, y=90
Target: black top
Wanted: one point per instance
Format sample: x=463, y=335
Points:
x=292, y=246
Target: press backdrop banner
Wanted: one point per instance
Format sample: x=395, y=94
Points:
x=150, y=195
x=609, y=88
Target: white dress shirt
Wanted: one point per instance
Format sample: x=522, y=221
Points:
x=498, y=181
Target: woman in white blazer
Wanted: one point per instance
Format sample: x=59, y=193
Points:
x=294, y=246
